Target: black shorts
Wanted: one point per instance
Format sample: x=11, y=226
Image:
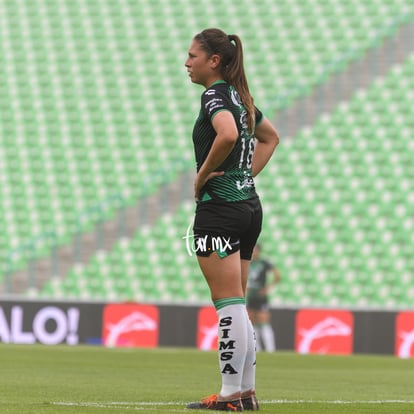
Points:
x=257, y=303
x=226, y=228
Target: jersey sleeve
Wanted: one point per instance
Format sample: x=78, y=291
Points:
x=213, y=101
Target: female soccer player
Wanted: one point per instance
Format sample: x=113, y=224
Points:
x=233, y=142
x=262, y=277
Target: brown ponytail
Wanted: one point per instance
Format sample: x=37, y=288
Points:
x=230, y=50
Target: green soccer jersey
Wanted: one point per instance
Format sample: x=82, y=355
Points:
x=237, y=183
x=257, y=277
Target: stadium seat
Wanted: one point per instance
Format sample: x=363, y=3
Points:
x=98, y=107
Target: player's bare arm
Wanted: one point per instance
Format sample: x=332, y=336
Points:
x=267, y=141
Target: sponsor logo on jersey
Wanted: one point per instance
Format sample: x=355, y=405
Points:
x=246, y=183
x=214, y=104
x=235, y=97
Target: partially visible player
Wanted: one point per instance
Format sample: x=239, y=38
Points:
x=259, y=285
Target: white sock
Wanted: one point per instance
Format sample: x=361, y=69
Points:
x=258, y=336
x=249, y=372
x=268, y=338
x=232, y=343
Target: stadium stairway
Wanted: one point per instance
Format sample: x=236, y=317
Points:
x=146, y=211
x=342, y=85
x=338, y=87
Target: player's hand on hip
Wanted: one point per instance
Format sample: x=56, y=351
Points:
x=200, y=182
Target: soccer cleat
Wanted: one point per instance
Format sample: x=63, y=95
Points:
x=250, y=402
x=212, y=403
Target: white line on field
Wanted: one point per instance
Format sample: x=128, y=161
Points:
x=120, y=405
x=140, y=405
x=337, y=401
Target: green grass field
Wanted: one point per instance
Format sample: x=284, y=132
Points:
x=38, y=379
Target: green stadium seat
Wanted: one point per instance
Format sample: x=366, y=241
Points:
x=94, y=111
